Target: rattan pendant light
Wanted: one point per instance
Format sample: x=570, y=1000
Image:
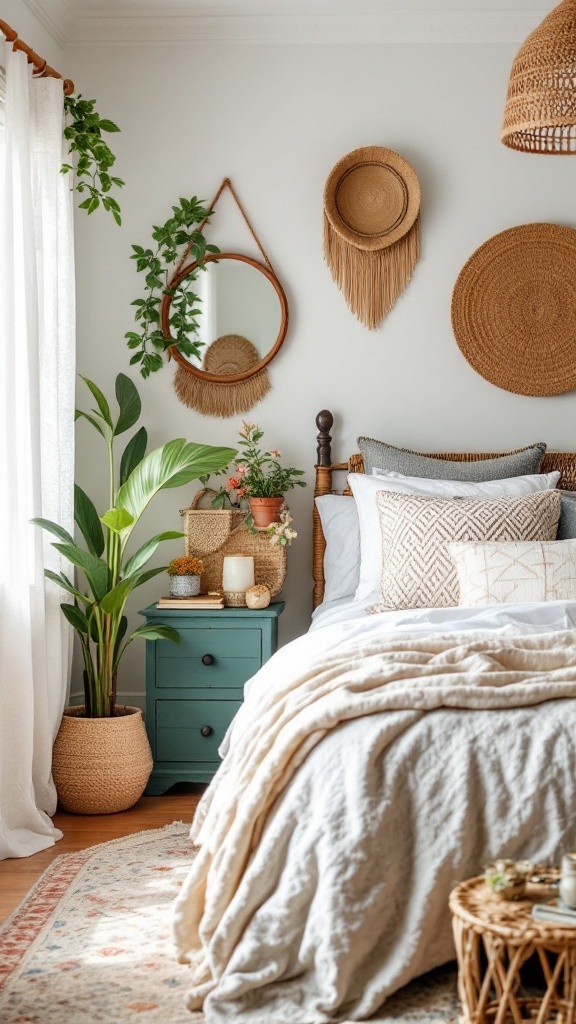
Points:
x=540, y=112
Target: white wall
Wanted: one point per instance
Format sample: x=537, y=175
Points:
x=32, y=32
x=276, y=119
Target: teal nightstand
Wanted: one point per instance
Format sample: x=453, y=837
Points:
x=194, y=689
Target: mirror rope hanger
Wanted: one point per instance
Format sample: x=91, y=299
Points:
x=220, y=398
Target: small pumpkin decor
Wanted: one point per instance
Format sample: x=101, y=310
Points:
x=184, y=573
x=101, y=758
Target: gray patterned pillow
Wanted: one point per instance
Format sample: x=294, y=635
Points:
x=379, y=455
x=417, y=569
x=567, y=524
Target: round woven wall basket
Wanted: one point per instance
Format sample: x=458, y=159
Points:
x=101, y=765
x=514, y=310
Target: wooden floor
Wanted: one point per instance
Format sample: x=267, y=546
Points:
x=18, y=875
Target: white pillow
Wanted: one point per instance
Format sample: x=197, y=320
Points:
x=341, y=530
x=501, y=572
x=364, y=488
x=511, y=487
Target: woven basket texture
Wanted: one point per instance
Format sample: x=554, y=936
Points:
x=371, y=229
x=212, y=534
x=514, y=309
x=101, y=765
x=540, y=111
x=230, y=354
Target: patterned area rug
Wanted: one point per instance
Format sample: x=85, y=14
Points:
x=92, y=943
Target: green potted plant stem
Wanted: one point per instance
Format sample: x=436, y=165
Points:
x=108, y=575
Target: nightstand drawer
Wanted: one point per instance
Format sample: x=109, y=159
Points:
x=179, y=725
x=199, y=683
x=209, y=658
x=220, y=643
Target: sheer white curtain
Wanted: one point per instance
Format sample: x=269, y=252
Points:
x=37, y=371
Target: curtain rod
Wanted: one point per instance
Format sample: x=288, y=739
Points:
x=42, y=68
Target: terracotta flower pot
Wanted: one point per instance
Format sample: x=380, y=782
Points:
x=265, y=510
x=101, y=765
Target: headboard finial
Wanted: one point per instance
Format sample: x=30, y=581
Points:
x=324, y=421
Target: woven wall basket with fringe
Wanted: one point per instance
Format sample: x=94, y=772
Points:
x=514, y=309
x=228, y=356
x=371, y=229
x=210, y=534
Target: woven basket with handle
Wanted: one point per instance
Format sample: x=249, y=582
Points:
x=211, y=534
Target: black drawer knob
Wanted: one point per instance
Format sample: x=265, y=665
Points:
x=206, y=730
x=208, y=659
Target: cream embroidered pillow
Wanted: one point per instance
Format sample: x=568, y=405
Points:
x=417, y=568
x=520, y=571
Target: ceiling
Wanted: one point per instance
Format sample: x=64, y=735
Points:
x=301, y=21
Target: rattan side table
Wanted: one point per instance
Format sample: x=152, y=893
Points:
x=494, y=938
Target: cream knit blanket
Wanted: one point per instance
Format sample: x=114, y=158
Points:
x=284, y=717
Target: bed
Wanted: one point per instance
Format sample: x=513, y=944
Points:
x=383, y=757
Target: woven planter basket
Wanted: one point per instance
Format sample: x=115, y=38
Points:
x=210, y=534
x=101, y=765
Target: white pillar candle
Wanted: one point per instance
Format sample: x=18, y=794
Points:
x=237, y=573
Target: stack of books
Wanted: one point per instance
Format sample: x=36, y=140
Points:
x=557, y=912
x=212, y=602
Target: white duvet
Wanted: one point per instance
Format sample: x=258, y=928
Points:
x=374, y=763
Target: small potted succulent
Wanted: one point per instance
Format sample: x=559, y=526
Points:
x=184, y=573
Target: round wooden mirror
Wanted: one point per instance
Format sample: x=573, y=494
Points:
x=244, y=315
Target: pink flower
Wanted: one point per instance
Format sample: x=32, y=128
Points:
x=275, y=453
x=241, y=492
x=242, y=469
x=233, y=482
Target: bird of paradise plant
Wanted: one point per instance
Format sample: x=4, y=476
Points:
x=110, y=576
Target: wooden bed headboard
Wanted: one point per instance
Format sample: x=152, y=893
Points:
x=564, y=462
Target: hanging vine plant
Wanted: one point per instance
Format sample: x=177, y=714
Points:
x=83, y=131
x=174, y=242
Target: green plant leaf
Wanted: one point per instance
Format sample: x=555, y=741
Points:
x=129, y=403
x=147, y=550
x=87, y=521
x=100, y=401
x=51, y=527
x=133, y=453
x=117, y=519
x=158, y=633
x=204, y=458
x=75, y=617
x=94, y=569
x=175, y=463
x=63, y=582
x=115, y=599
x=84, y=415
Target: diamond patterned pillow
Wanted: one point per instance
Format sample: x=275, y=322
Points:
x=417, y=569
x=518, y=571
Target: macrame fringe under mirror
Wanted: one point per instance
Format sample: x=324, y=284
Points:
x=224, y=400
x=206, y=389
